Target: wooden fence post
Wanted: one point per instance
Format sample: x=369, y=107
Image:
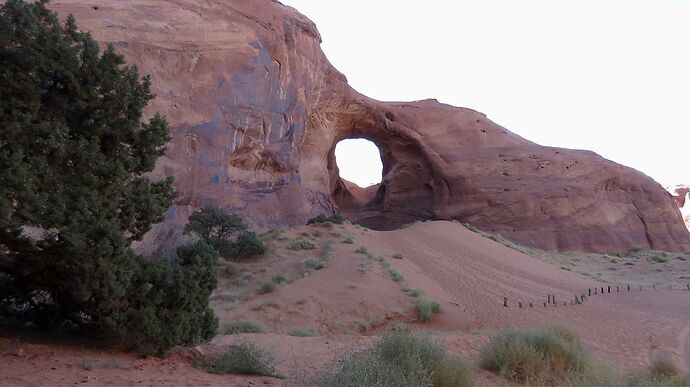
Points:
x=618, y=290
x=602, y=290
x=520, y=304
x=589, y=292
x=609, y=288
x=505, y=302
x=531, y=305
x=628, y=287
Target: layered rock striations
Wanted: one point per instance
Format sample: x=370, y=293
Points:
x=256, y=110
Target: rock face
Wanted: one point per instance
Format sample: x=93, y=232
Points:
x=681, y=195
x=256, y=110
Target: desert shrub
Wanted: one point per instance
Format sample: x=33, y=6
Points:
x=398, y=256
x=362, y=250
x=337, y=218
x=242, y=326
x=227, y=233
x=426, y=310
x=245, y=358
x=661, y=373
x=395, y=275
x=301, y=244
x=401, y=359
x=543, y=355
x=314, y=264
x=168, y=304
x=279, y=279
x=266, y=287
x=247, y=245
x=303, y=332
x=349, y=240
x=659, y=258
x=416, y=292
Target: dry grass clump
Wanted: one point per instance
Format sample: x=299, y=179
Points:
x=301, y=244
x=303, y=332
x=661, y=373
x=401, y=359
x=542, y=356
x=245, y=358
x=427, y=309
x=349, y=240
x=242, y=326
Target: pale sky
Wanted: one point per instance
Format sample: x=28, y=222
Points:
x=604, y=75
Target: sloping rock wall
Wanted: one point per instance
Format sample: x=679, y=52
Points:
x=256, y=110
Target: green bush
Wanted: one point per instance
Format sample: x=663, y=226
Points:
x=168, y=304
x=659, y=258
x=301, y=244
x=279, y=279
x=349, y=240
x=245, y=359
x=303, y=332
x=227, y=233
x=398, y=256
x=395, y=275
x=401, y=359
x=242, y=326
x=416, y=292
x=426, y=310
x=362, y=250
x=545, y=355
x=337, y=218
x=247, y=245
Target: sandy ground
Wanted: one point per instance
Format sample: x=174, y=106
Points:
x=354, y=298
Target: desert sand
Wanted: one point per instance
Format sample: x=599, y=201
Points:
x=354, y=298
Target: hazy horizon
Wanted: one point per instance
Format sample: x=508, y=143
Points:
x=607, y=76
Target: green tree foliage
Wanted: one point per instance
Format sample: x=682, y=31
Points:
x=74, y=151
x=227, y=233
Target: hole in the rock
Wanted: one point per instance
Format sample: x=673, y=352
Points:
x=359, y=162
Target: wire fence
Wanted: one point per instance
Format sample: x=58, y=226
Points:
x=578, y=299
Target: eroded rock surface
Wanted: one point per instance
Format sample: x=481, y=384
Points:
x=681, y=195
x=256, y=110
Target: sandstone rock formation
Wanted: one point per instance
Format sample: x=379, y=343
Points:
x=681, y=195
x=256, y=110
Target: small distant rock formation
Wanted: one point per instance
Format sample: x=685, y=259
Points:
x=256, y=110
x=681, y=195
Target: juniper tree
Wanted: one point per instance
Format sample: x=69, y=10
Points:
x=74, y=154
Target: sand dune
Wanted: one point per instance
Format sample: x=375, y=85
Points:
x=354, y=297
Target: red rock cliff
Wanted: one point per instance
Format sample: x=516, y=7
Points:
x=256, y=110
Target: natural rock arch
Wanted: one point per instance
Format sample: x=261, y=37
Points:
x=256, y=108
